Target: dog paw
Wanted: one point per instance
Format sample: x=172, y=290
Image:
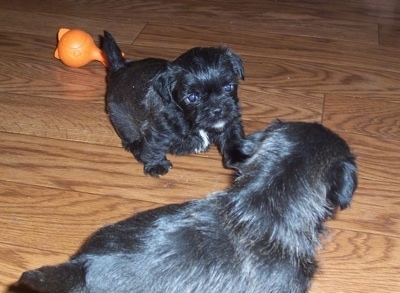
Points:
x=157, y=169
x=235, y=157
x=203, y=142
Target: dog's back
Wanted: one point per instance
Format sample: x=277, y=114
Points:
x=259, y=235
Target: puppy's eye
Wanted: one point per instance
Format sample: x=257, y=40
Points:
x=192, y=98
x=228, y=87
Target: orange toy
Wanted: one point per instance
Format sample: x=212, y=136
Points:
x=76, y=48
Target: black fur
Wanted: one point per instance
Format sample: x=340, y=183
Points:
x=260, y=235
x=179, y=107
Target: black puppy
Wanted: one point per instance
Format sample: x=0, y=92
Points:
x=260, y=235
x=179, y=107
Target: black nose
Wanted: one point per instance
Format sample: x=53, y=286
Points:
x=216, y=112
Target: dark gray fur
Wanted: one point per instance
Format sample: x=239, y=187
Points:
x=259, y=235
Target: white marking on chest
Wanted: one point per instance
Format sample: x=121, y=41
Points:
x=205, y=143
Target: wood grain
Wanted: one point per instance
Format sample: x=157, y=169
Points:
x=57, y=118
x=260, y=43
x=18, y=259
x=389, y=35
x=375, y=209
x=105, y=170
x=61, y=219
x=64, y=173
x=363, y=116
x=378, y=158
x=364, y=261
x=371, y=11
x=47, y=25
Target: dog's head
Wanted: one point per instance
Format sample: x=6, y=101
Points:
x=298, y=159
x=203, y=83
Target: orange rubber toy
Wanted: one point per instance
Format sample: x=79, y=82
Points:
x=76, y=48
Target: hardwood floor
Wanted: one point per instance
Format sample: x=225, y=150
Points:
x=64, y=173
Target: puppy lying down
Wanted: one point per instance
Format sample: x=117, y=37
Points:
x=177, y=107
x=259, y=235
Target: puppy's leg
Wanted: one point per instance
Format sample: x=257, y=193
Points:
x=196, y=142
x=231, y=144
x=146, y=146
x=152, y=155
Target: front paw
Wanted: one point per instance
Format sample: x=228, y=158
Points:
x=203, y=142
x=157, y=168
x=235, y=156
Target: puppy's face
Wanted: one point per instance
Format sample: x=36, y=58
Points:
x=203, y=83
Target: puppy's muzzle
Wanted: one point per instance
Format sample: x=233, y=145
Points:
x=216, y=113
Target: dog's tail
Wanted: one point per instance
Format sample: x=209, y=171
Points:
x=113, y=53
x=62, y=278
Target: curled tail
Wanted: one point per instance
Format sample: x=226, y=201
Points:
x=113, y=53
x=63, y=278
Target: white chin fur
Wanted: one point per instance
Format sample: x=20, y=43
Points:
x=219, y=125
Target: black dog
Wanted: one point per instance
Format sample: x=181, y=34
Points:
x=260, y=235
x=179, y=107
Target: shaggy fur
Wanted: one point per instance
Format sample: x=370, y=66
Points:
x=260, y=235
x=179, y=107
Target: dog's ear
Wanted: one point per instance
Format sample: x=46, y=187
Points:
x=162, y=85
x=343, y=180
x=237, y=63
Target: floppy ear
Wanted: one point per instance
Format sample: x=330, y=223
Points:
x=162, y=85
x=343, y=178
x=236, y=63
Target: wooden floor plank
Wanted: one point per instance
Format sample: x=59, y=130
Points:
x=260, y=43
x=365, y=263
x=372, y=11
x=19, y=46
x=57, y=118
x=47, y=25
x=106, y=170
x=263, y=106
x=62, y=219
x=303, y=76
x=375, y=209
x=363, y=116
x=389, y=35
x=45, y=80
x=378, y=158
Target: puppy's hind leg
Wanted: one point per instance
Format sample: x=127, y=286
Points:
x=124, y=124
x=146, y=145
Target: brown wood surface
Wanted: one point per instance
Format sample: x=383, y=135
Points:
x=64, y=174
